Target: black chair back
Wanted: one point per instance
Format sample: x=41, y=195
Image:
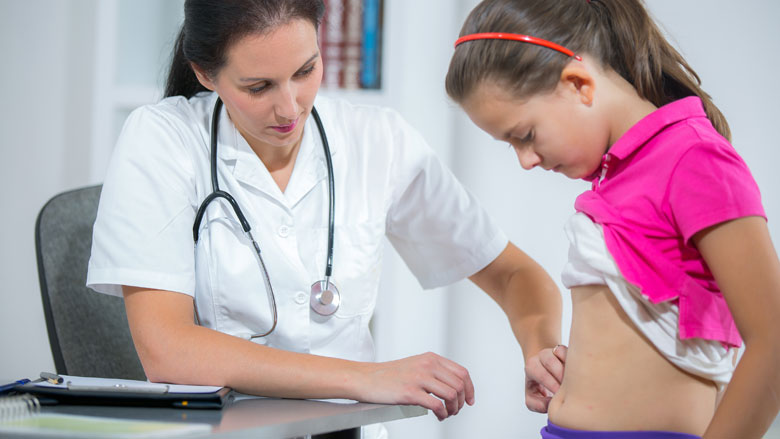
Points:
x=88, y=331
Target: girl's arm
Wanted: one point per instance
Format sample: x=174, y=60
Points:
x=743, y=261
x=173, y=349
x=532, y=303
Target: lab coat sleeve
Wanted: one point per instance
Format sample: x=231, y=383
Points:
x=434, y=223
x=143, y=232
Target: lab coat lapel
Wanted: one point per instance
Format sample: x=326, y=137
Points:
x=248, y=169
x=310, y=166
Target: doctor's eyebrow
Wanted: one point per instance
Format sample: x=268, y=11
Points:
x=312, y=58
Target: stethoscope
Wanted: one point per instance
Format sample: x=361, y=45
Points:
x=325, y=297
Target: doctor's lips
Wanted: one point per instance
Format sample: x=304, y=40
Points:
x=286, y=128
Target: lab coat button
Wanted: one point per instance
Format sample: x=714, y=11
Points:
x=301, y=297
x=284, y=231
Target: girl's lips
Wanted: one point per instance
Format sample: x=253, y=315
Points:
x=286, y=128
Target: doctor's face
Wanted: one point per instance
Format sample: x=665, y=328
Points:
x=269, y=83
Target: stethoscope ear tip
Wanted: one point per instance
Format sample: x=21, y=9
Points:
x=244, y=335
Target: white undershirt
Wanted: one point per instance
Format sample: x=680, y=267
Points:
x=591, y=263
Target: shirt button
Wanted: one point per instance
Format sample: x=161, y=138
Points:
x=284, y=231
x=301, y=297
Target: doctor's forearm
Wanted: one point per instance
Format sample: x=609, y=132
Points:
x=173, y=349
x=214, y=358
x=527, y=295
x=533, y=306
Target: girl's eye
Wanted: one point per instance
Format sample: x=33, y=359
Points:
x=528, y=137
x=517, y=142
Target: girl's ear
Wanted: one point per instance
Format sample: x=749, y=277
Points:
x=203, y=78
x=576, y=78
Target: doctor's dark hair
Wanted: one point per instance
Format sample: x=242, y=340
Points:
x=620, y=34
x=211, y=26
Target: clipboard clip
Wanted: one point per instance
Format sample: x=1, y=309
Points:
x=53, y=378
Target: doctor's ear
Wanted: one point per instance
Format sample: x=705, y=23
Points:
x=576, y=78
x=203, y=78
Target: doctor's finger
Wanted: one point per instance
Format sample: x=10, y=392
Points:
x=464, y=376
x=536, y=372
x=537, y=398
x=431, y=403
x=561, y=351
x=444, y=392
x=552, y=363
x=538, y=404
x=454, y=381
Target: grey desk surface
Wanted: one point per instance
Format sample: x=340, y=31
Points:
x=261, y=417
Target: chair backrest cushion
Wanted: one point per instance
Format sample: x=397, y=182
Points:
x=88, y=331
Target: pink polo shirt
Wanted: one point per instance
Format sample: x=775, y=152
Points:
x=668, y=177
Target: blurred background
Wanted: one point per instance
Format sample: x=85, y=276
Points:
x=74, y=69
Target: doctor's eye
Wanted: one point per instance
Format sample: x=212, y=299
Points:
x=305, y=72
x=257, y=89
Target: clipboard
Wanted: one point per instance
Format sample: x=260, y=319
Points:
x=108, y=391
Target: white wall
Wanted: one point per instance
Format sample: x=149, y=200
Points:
x=45, y=149
x=45, y=125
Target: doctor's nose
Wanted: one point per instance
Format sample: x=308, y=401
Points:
x=286, y=105
x=528, y=158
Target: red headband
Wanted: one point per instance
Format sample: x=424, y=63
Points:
x=516, y=37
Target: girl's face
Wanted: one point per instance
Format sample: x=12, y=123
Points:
x=269, y=83
x=559, y=131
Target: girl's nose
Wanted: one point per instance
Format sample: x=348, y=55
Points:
x=528, y=158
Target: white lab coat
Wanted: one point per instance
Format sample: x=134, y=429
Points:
x=388, y=183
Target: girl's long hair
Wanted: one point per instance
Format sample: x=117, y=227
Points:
x=618, y=33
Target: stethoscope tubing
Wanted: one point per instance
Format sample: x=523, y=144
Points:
x=331, y=197
x=217, y=193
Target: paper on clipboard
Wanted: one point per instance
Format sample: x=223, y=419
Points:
x=112, y=384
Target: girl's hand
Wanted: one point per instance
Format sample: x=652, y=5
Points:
x=427, y=380
x=543, y=377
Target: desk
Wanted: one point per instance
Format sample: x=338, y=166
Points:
x=261, y=417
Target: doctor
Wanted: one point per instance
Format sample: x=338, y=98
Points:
x=203, y=312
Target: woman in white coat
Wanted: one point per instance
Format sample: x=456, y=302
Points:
x=195, y=312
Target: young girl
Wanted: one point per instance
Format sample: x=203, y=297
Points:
x=671, y=265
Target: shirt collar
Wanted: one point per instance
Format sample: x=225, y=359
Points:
x=653, y=123
x=230, y=144
x=310, y=165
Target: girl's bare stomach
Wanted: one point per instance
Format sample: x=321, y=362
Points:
x=615, y=379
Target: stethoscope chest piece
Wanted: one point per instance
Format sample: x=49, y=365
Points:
x=324, y=300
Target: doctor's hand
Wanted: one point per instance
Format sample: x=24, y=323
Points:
x=543, y=377
x=428, y=380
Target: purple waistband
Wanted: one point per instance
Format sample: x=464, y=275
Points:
x=552, y=431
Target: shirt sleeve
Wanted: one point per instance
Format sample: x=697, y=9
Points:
x=435, y=224
x=711, y=184
x=143, y=232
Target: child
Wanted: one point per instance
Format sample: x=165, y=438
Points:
x=671, y=265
